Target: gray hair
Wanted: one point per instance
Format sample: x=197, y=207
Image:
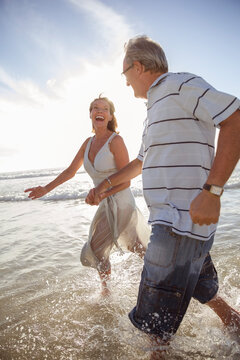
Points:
x=148, y=52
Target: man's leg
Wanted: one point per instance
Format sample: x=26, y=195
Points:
x=172, y=265
x=227, y=314
x=206, y=292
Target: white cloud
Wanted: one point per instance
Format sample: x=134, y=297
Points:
x=22, y=90
x=113, y=26
x=47, y=125
x=6, y=152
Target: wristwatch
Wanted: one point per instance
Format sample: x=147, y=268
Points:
x=214, y=189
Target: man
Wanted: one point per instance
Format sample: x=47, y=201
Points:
x=182, y=185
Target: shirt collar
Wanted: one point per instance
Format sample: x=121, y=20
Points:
x=158, y=80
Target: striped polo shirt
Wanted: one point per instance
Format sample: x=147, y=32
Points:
x=177, y=149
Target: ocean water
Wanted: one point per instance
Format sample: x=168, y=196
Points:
x=50, y=305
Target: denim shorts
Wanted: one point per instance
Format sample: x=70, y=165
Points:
x=176, y=268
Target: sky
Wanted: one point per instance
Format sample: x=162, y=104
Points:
x=56, y=56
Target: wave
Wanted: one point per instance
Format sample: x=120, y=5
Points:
x=59, y=196
x=11, y=192
x=31, y=174
x=79, y=194
x=232, y=186
x=52, y=197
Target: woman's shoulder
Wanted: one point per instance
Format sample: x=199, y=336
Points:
x=116, y=143
x=116, y=138
x=87, y=140
x=84, y=144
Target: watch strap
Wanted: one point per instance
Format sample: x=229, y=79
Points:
x=210, y=187
x=207, y=187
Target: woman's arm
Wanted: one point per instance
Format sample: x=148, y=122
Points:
x=130, y=171
x=121, y=158
x=67, y=174
x=119, y=181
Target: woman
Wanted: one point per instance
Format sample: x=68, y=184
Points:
x=117, y=220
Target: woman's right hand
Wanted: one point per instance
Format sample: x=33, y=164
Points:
x=36, y=192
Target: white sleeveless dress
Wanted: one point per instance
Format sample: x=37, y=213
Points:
x=117, y=221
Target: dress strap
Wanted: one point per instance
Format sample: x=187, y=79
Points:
x=88, y=145
x=111, y=137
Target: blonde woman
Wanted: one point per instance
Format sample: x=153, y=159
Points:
x=117, y=221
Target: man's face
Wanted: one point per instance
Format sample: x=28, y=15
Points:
x=133, y=78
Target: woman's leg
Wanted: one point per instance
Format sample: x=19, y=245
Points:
x=105, y=277
x=138, y=248
x=101, y=245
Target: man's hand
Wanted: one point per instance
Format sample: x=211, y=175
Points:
x=101, y=189
x=205, y=208
x=92, y=198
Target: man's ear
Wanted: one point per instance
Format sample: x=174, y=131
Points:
x=140, y=68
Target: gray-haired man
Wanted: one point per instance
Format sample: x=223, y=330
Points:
x=182, y=183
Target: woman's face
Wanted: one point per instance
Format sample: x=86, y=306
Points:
x=100, y=114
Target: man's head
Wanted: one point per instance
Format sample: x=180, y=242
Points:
x=144, y=62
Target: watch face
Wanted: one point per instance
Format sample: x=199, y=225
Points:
x=217, y=190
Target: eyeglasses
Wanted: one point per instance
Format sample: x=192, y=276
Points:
x=124, y=72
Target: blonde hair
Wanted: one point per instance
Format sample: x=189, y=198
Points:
x=112, y=125
x=148, y=52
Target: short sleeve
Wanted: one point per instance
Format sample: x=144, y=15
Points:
x=140, y=153
x=206, y=103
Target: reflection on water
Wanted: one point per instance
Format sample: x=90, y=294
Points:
x=55, y=317
x=50, y=305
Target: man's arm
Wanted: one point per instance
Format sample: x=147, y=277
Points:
x=128, y=172
x=205, y=208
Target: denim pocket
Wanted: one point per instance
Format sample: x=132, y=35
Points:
x=162, y=248
x=202, y=248
x=159, y=312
